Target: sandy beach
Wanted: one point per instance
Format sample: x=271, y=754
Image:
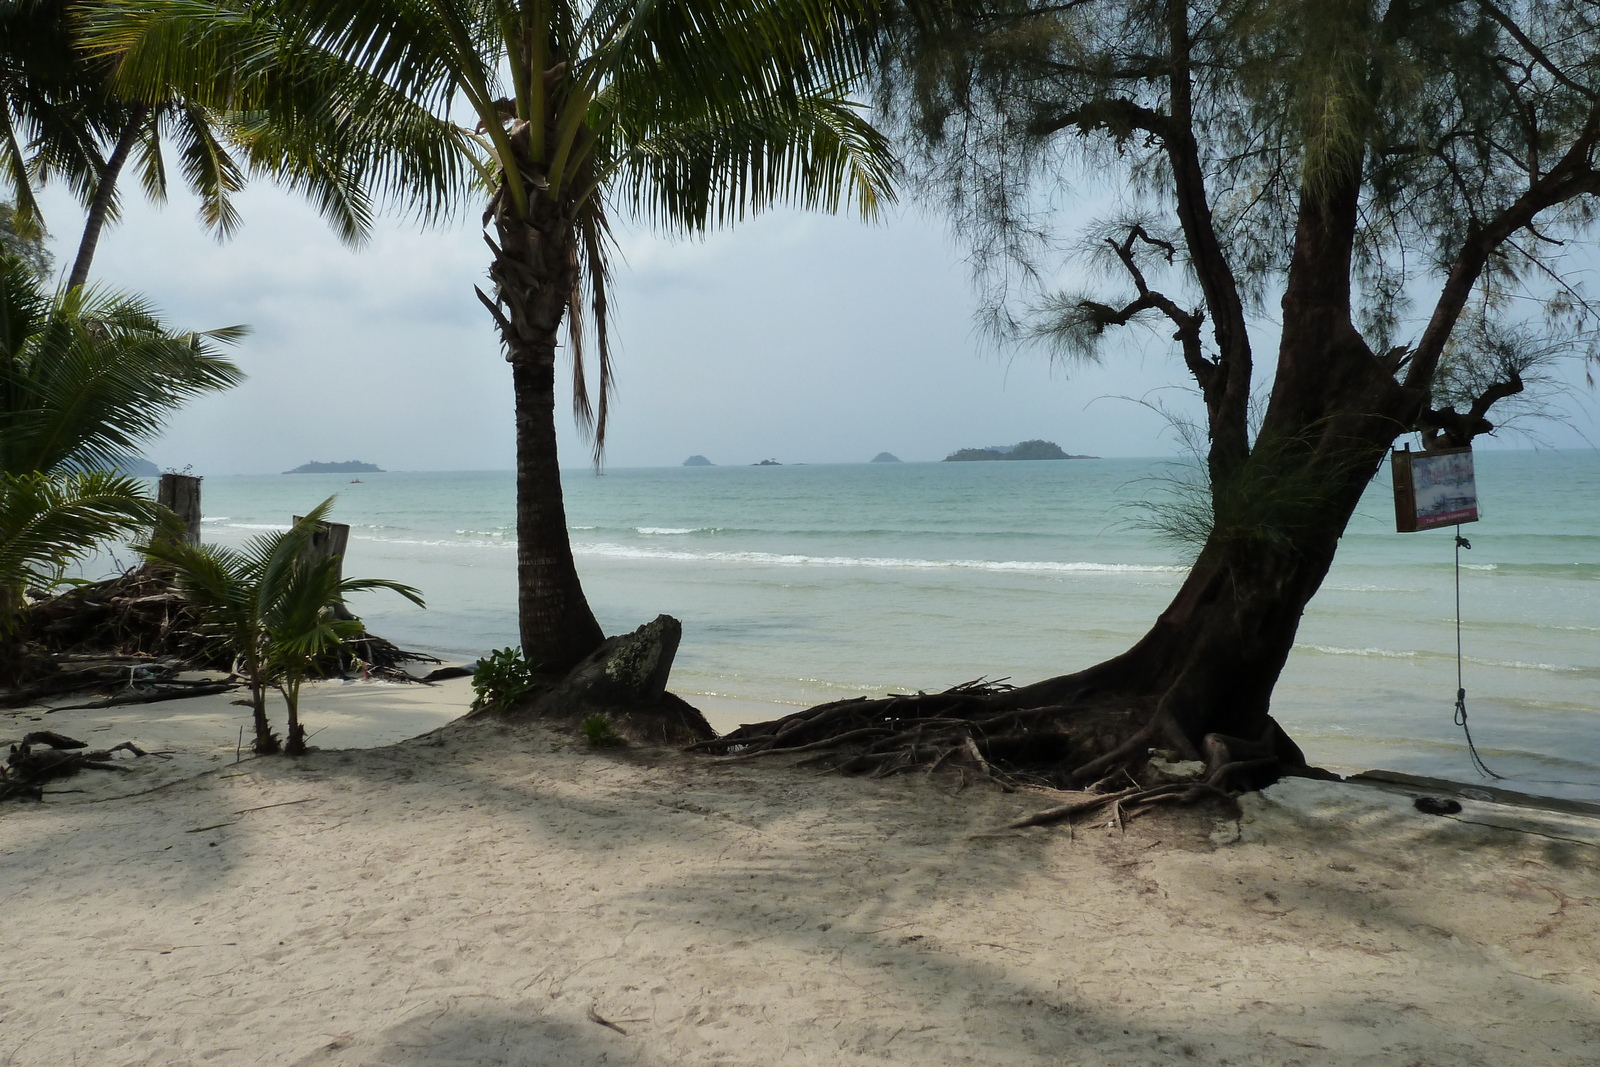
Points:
x=494, y=894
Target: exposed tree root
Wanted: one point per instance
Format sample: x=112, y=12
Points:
x=1124, y=750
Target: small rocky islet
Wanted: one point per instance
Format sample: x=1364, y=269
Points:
x=1025, y=450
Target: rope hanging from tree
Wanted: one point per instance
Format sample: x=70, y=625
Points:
x=1461, y=690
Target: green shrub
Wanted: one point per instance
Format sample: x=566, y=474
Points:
x=598, y=731
x=500, y=678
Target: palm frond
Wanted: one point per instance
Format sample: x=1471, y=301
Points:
x=48, y=522
x=208, y=167
x=593, y=278
x=711, y=169
x=88, y=375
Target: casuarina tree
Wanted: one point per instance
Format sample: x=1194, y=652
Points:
x=1349, y=216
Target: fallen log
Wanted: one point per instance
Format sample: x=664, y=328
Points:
x=193, y=690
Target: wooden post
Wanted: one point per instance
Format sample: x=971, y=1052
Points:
x=329, y=540
x=181, y=493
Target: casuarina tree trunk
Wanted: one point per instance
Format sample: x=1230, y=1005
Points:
x=104, y=195
x=534, y=270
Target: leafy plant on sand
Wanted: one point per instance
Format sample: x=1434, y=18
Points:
x=686, y=114
x=598, y=731
x=500, y=678
x=271, y=606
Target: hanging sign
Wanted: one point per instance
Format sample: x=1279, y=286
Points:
x=1433, y=489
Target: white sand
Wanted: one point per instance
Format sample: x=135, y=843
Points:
x=481, y=895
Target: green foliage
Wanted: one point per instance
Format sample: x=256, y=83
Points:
x=270, y=605
x=500, y=678
x=23, y=241
x=1442, y=114
x=86, y=376
x=75, y=114
x=49, y=521
x=598, y=731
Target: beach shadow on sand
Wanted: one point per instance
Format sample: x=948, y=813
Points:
x=479, y=895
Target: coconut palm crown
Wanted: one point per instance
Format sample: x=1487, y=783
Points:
x=687, y=114
x=86, y=377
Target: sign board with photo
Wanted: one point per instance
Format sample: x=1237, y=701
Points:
x=1433, y=489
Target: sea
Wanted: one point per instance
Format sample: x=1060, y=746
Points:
x=802, y=583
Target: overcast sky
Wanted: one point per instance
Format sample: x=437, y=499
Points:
x=796, y=337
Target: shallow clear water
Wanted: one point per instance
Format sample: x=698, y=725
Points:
x=801, y=583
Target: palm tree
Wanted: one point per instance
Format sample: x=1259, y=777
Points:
x=688, y=113
x=62, y=121
x=48, y=522
x=24, y=241
x=306, y=623
x=66, y=119
x=85, y=377
x=271, y=607
x=50, y=107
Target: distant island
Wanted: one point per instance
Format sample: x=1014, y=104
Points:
x=885, y=457
x=767, y=463
x=1025, y=450
x=137, y=466
x=698, y=461
x=349, y=466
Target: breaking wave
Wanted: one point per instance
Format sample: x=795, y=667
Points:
x=778, y=559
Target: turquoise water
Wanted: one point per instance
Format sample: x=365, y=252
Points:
x=797, y=584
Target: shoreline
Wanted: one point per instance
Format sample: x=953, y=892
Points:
x=486, y=894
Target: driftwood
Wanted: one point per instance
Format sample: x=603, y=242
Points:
x=139, y=614
x=129, y=678
x=28, y=768
x=137, y=631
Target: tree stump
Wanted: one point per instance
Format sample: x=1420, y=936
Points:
x=181, y=493
x=625, y=679
x=329, y=540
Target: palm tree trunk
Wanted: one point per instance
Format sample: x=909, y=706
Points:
x=534, y=270
x=557, y=626
x=295, y=745
x=104, y=194
x=266, y=741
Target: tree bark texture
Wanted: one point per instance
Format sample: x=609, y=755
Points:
x=535, y=269
x=181, y=493
x=329, y=541
x=105, y=194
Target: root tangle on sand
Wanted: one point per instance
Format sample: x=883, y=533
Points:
x=1098, y=743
